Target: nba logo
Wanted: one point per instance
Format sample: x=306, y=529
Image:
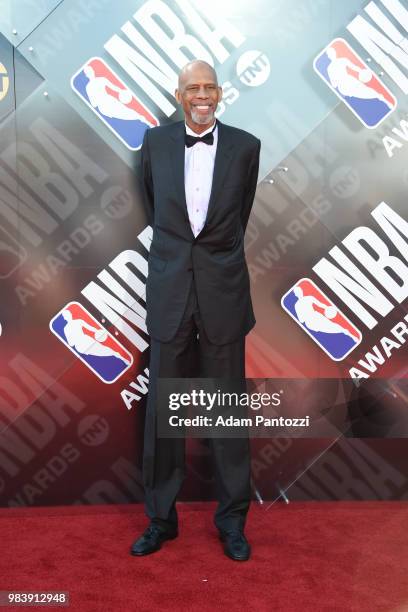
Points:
x=354, y=83
x=91, y=342
x=321, y=319
x=109, y=98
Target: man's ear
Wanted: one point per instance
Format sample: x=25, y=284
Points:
x=220, y=92
x=177, y=96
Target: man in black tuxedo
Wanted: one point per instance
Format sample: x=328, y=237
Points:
x=199, y=179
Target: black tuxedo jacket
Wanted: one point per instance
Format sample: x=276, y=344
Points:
x=215, y=259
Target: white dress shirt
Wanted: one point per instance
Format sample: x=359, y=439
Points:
x=198, y=175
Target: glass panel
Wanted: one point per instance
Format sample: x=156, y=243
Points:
x=18, y=18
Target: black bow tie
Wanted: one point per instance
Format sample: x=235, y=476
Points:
x=208, y=138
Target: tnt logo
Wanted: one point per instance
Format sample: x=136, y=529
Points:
x=253, y=68
x=91, y=342
x=354, y=83
x=321, y=319
x=109, y=98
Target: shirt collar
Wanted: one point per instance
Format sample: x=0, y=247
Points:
x=210, y=129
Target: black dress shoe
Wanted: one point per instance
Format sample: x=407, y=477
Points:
x=235, y=544
x=151, y=540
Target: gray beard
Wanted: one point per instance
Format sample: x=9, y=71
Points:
x=202, y=119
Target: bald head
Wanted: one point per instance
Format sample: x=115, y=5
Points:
x=189, y=69
x=199, y=94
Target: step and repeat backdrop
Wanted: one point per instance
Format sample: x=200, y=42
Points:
x=324, y=85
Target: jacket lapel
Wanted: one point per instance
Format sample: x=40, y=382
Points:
x=177, y=162
x=222, y=161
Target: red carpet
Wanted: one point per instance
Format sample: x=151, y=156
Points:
x=306, y=556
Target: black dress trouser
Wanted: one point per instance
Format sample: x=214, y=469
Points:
x=191, y=355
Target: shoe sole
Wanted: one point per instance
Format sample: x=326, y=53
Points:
x=246, y=558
